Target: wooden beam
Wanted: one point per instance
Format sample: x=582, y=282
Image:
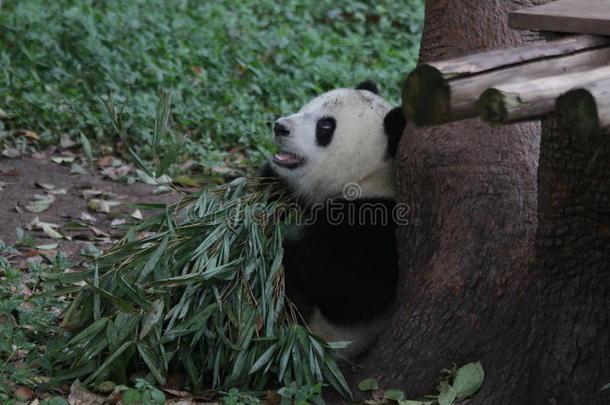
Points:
x=534, y=98
x=575, y=16
x=445, y=91
x=482, y=62
x=585, y=110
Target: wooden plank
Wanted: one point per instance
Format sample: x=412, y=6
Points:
x=481, y=62
x=431, y=96
x=577, y=16
x=533, y=98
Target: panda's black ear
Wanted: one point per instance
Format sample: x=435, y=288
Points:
x=368, y=85
x=394, y=124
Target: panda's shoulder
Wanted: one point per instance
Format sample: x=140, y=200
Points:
x=356, y=222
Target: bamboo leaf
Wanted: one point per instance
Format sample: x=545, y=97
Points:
x=119, y=302
x=149, y=358
x=108, y=362
x=263, y=359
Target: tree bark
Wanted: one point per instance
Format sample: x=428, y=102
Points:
x=569, y=339
x=477, y=282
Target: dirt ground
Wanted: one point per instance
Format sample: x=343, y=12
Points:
x=79, y=213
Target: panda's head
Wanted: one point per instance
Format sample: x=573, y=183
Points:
x=345, y=138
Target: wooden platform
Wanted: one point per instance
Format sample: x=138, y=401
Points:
x=576, y=16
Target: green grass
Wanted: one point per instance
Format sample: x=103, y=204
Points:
x=234, y=66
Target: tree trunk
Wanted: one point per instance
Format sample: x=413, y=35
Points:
x=472, y=287
x=569, y=340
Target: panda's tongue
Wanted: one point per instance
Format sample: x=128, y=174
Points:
x=286, y=158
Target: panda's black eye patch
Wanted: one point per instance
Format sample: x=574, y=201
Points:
x=325, y=128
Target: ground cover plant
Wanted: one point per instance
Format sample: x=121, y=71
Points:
x=234, y=66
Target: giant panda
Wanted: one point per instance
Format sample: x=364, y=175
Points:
x=336, y=157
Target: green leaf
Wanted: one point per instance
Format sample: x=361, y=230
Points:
x=87, y=148
x=394, y=395
x=108, y=362
x=446, y=393
x=162, y=117
x=119, y=302
x=468, y=379
x=186, y=181
x=170, y=157
x=369, y=384
x=89, y=332
x=59, y=292
x=134, y=294
x=151, y=361
x=132, y=397
x=152, y=319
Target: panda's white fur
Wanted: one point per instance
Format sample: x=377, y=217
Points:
x=357, y=156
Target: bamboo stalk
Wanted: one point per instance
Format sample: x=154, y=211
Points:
x=445, y=91
x=585, y=110
x=533, y=98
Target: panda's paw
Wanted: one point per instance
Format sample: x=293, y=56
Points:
x=362, y=334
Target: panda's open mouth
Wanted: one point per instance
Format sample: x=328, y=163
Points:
x=288, y=160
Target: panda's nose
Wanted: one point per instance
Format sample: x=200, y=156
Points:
x=280, y=130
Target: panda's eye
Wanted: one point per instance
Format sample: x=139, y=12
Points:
x=325, y=129
x=326, y=124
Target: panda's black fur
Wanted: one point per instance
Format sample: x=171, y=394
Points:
x=344, y=263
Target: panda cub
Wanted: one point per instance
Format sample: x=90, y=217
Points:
x=336, y=157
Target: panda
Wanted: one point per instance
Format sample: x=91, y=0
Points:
x=336, y=157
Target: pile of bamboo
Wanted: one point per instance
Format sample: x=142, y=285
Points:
x=570, y=76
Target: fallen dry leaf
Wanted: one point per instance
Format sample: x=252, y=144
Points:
x=115, y=223
x=62, y=159
x=78, y=169
x=45, y=186
x=162, y=190
x=99, y=232
x=23, y=392
x=66, y=142
x=107, y=161
x=49, y=246
x=32, y=135
x=50, y=232
x=10, y=152
x=79, y=395
x=98, y=205
x=48, y=253
x=40, y=203
x=90, y=192
x=88, y=218
x=115, y=172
